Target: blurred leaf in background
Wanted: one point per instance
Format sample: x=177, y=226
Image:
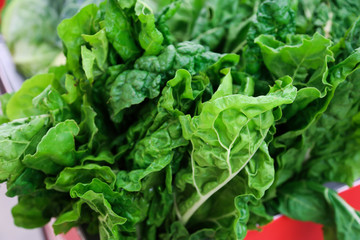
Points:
x=29, y=29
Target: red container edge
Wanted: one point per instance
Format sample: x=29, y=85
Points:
x=2, y=4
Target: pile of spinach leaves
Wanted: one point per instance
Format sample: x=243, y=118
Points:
x=190, y=119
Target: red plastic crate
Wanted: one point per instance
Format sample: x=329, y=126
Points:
x=2, y=3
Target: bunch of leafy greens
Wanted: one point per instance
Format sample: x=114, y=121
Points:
x=155, y=130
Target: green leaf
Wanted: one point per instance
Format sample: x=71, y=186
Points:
x=150, y=38
x=273, y=18
x=88, y=64
x=116, y=210
x=347, y=219
x=226, y=87
x=299, y=201
x=164, y=16
x=161, y=205
x=71, y=31
x=177, y=231
x=4, y=100
x=72, y=90
x=51, y=102
x=180, y=18
x=179, y=96
x=309, y=201
x=118, y=31
x=132, y=87
x=104, y=156
x=334, y=155
x=69, y=219
x=88, y=129
x=223, y=24
x=94, y=60
x=186, y=55
x=225, y=136
x=99, y=47
x=139, y=129
x=56, y=149
x=298, y=60
x=98, y=203
x=152, y=154
x=126, y=4
x=296, y=146
x=238, y=202
x=36, y=209
x=28, y=182
x=215, y=70
x=80, y=213
x=20, y=104
x=70, y=176
x=17, y=139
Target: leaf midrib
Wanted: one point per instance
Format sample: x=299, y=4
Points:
x=185, y=217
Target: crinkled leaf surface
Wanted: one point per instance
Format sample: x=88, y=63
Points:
x=224, y=137
x=16, y=140
x=298, y=59
x=70, y=176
